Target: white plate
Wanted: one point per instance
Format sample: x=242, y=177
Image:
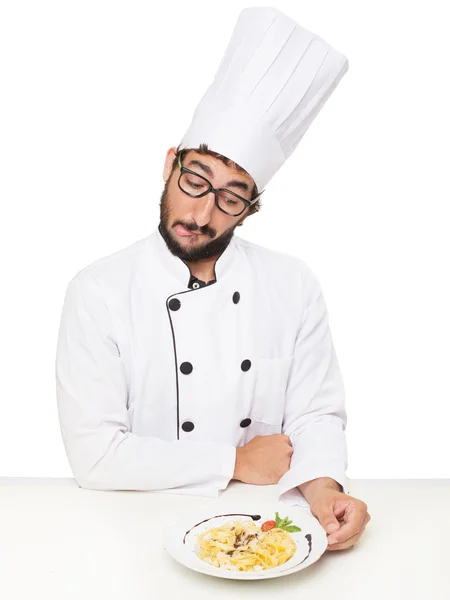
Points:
x=180, y=539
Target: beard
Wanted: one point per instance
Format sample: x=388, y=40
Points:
x=208, y=250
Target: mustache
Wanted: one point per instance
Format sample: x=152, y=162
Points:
x=195, y=229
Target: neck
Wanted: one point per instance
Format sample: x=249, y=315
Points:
x=203, y=269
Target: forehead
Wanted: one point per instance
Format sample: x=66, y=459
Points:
x=214, y=166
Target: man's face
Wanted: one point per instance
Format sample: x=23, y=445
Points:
x=195, y=228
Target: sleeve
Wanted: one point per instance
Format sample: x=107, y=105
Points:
x=315, y=417
x=92, y=393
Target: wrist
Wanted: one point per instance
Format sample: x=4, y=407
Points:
x=311, y=489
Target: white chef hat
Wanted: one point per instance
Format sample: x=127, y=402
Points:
x=273, y=79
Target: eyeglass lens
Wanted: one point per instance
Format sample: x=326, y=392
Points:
x=195, y=186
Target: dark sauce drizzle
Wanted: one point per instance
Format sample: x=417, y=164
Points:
x=309, y=538
x=254, y=517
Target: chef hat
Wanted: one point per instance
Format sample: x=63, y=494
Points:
x=273, y=79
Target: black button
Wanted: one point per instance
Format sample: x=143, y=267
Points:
x=236, y=297
x=195, y=283
x=187, y=426
x=174, y=304
x=245, y=365
x=246, y=422
x=186, y=368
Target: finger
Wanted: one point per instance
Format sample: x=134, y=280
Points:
x=354, y=520
x=351, y=541
x=348, y=543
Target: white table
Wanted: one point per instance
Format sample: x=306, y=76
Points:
x=62, y=542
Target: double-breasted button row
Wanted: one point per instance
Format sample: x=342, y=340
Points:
x=186, y=367
x=175, y=304
x=188, y=426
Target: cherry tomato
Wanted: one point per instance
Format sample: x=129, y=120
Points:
x=268, y=525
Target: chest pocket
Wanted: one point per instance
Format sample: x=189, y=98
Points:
x=270, y=388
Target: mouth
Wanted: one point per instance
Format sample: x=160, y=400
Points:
x=181, y=231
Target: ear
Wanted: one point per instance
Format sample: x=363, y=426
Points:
x=170, y=157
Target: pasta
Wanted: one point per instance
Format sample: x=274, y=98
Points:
x=242, y=546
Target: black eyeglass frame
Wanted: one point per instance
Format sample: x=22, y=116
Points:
x=247, y=203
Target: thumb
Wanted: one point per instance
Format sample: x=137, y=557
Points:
x=328, y=520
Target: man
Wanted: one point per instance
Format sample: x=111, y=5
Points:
x=193, y=357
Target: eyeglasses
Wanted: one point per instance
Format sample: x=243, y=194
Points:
x=196, y=186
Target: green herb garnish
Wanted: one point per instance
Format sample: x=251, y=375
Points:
x=285, y=524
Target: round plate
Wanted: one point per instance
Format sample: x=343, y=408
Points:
x=180, y=539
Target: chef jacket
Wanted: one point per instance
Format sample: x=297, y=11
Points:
x=160, y=376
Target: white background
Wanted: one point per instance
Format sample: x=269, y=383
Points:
x=93, y=93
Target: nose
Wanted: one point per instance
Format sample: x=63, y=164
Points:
x=202, y=209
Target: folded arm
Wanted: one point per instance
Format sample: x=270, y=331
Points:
x=92, y=394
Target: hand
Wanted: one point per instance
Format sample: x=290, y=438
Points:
x=264, y=460
x=343, y=517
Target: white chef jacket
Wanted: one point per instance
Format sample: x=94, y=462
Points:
x=158, y=383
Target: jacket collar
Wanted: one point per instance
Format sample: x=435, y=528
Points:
x=181, y=271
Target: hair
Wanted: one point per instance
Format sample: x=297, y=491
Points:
x=203, y=149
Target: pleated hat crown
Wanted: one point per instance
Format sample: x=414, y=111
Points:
x=273, y=79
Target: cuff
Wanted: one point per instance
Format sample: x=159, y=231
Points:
x=227, y=463
x=305, y=470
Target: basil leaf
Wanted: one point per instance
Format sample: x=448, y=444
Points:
x=292, y=528
x=277, y=519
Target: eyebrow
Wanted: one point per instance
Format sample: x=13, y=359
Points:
x=232, y=183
